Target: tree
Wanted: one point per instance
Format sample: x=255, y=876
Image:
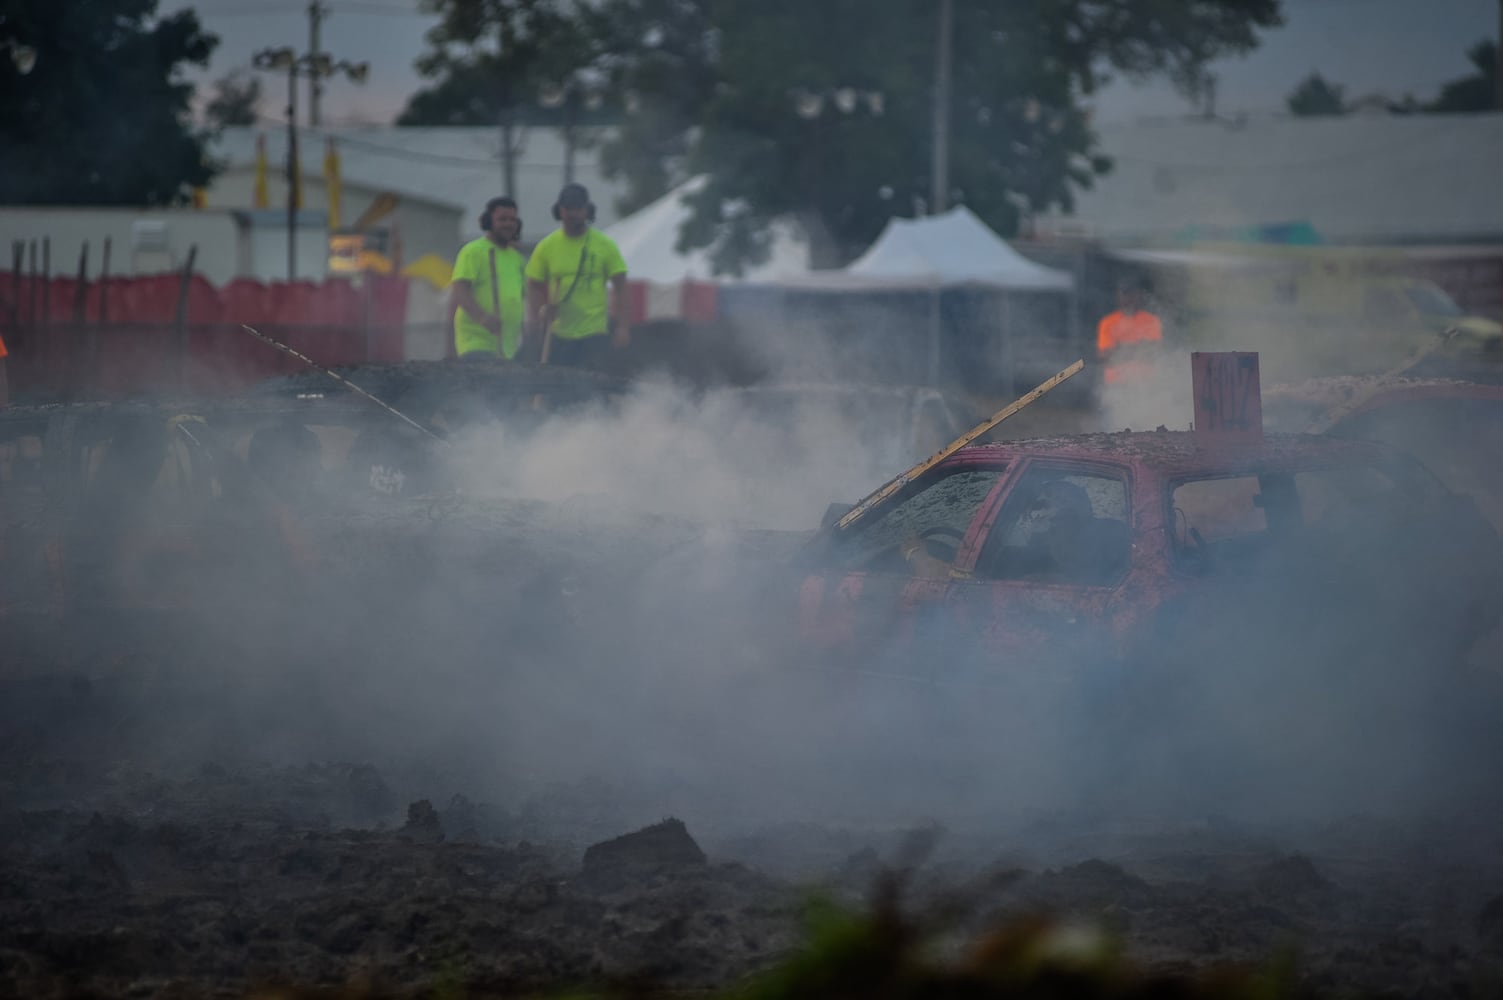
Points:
x=1477, y=92
x=1316, y=96
x=103, y=118
x=235, y=99
x=823, y=111
x=495, y=60
x=662, y=70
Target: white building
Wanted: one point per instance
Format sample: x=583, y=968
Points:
x=440, y=178
x=1356, y=179
x=428, y=184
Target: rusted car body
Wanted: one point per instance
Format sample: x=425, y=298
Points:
x=1455, y=427
x=1084, y=548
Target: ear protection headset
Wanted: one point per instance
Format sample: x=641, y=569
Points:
x=577, y=190
x=491, y=206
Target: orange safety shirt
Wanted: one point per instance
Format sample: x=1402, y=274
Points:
x=1121, y=329
x=3, y=352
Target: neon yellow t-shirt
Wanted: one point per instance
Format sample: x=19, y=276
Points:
x=474, y=265
x=596, y=257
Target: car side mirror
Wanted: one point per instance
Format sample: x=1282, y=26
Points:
x=833, y=513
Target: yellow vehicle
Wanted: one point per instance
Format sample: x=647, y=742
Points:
x=1313, y=310
x=359, y=253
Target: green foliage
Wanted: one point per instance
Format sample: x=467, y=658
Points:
x=103, y=118
x=234, y=102
x=662, y=67
x=1316, y=96
x=823, y=111
x=496, y=61
x=895, y=953
x=1477, y=92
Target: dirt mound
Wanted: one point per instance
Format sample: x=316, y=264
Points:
x=662, y=845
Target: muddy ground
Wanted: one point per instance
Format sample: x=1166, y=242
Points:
x=193, y=808
x=385, y=767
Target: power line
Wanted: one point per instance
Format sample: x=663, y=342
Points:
x=337, y=6
x=374, y=8
x=392, y=152
x=242, y=12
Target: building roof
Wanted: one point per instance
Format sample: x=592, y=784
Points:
x=459, y=167
x=1353, y=179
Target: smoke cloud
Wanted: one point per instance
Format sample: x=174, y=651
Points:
x=613, y=596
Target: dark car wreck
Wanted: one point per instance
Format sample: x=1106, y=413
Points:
x=1108, y=547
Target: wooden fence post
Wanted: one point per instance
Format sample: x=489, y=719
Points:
x=77, y=339
x=180, y=332
x=31, y=287
x=104, y=284
x=46, y=283
x=101, y=329
x=17, y=258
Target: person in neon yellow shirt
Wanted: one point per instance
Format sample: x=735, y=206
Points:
x=576, y=287
x=490, y=286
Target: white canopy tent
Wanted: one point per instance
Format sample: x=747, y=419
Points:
x=648, y=239
x=936, y=253
x=952, y=250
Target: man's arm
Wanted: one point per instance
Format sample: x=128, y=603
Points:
x=1106, y=337
x=620, y=312
x=464, y=297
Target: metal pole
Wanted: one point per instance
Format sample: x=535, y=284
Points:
x=940, y=183
x=77, y=341
x=935, y=320
x=569, y=138
x=292, y=172
x=46, y=281
x=180, y=319
x=316, y=12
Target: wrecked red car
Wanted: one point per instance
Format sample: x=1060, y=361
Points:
x=1107, y=546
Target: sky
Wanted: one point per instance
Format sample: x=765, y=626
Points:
x=1395, y=47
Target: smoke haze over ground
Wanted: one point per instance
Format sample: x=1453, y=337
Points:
x=598, y=630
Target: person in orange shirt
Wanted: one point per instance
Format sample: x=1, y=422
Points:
x=1128, y=340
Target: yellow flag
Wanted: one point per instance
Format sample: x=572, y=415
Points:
x=331, y=181
x=259, y=199
x=200, y=197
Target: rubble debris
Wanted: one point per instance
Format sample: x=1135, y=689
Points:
x=1291, y=877
x=662, y=845
x=422, y=823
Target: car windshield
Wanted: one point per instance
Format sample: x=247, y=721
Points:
x=943, y=506
x=1431, y=300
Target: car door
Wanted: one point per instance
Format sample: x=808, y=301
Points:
x=877, y=576
x=1036, y=587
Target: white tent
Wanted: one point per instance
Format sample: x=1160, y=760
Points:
x=939, y=252
x=648, y=239
x=952, y=250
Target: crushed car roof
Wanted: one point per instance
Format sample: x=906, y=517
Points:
x=1374, y=391
x=1183, y=452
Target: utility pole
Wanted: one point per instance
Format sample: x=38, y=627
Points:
x=314, y=66
x=940, y=167
x=316, y=13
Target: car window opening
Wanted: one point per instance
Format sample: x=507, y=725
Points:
x=1058, y=526
x=1228, y=521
